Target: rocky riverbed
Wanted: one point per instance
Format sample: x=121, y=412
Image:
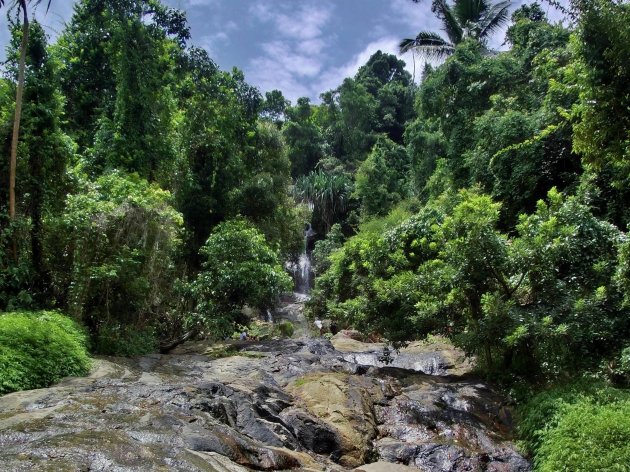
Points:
x=291, y=404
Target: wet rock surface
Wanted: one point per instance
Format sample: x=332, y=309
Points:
x=293, y=404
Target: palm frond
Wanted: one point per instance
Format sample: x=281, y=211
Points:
x=327, y=192
x=495, y=18
x=406, y=45
x=461, y=19
x=469, y=11
x=427, y=44
x=47, y=4
x=20, y=4
x=450, y=22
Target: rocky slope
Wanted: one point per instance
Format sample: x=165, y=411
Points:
x=293, y=404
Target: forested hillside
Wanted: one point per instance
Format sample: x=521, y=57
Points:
x=486, y=201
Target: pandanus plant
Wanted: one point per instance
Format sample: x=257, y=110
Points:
x=327, y=192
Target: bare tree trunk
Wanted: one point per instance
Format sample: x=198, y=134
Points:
x=170, y=345
x=18, y=114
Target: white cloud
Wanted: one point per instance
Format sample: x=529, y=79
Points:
x=312, y=46
x=415, y=17
x=281, y=53
x=231, y=26
x=262, y=11
x=211, y=42
x=307, y=23
x=268, y=76
x=295, y=53
x=282, y=68
x=333, y=77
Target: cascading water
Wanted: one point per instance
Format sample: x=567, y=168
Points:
x=303, y=284
x=304, y=272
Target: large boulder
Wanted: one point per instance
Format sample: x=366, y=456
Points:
x=344, y=403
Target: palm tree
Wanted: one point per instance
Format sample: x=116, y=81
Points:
x=476, y=19
x=21, y=6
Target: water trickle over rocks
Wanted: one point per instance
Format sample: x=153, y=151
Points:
x=302, y=269
x=291, y=404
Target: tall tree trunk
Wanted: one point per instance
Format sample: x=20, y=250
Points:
x=18, y=114
x=35, y=207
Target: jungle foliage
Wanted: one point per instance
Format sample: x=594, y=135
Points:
x=497, y=221
x=38, y=349
x=500, y=219
x=156, y=194
x=134, y=147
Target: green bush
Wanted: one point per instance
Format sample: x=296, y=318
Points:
x=286, y=329
x=256, y=329
x=114, y=250
x=578, y=427
x=240, y=268
x=38, y=349
x=539, y=303
x=587, y=437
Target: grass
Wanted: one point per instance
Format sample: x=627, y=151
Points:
x=300, y=382
x=286, y=329
x=228, y=350
x=263, y=330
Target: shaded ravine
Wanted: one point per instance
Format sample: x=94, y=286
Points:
x=292, y=404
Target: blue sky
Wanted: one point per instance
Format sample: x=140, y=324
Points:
x=302, y=47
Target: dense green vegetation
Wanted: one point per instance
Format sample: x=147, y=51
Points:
x=157, y=195
x=239, y=269
x=492, y=222
x=579, y=427
x=39, y=348
x=133, y=147
x=500, y=219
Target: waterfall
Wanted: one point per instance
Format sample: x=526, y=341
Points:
x=304, y=272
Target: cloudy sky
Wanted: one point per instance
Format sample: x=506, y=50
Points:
x=302, y=47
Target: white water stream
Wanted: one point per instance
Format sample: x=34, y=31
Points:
x=304, y=270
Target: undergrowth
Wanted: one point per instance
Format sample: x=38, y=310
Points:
x=39, y=348
x=126, y=341
x=580, y=427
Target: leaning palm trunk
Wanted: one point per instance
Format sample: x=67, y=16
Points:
x=18, y=114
